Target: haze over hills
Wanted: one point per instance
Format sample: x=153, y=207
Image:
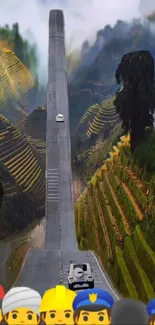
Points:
x=96, y=69
x=80, y=23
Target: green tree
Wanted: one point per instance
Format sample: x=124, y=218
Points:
x=27, y=53
x=18, y=42
x=134, y=102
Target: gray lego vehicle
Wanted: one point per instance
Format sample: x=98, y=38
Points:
x=80, y=275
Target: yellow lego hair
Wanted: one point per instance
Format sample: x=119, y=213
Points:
x=1, y=316
x=57, y=298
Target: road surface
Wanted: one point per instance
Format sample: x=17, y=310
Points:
x=45, y=268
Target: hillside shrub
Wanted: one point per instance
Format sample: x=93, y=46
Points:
x=133, y=187
x=83, y=244
x=89, y=222
x=101, y=240
x=124, y=225
x=105, y=239
x=148, y=228
x=122, y=276
x=145, y=254
x=77, y=211
x=81, y=226
x=144, y=155
x=93, y=180
x=114, y=224
x=92, y=237
x=125, y=155
x=104, y=203
x=76, y=216
x=142, y=161
x=97, y=217
x=106, y=251
x=111, y=199
x=92, y=161
x=83, y=235
x=124, y=200
x=139, y=277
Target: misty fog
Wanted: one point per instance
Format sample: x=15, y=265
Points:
x=83, y=19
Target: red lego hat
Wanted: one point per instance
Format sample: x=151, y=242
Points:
x=2, y=292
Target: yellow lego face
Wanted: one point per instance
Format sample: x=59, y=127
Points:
x=93, y=317
x=152, y=322
x=59, y=316
x=22, y=316
x=0, y=315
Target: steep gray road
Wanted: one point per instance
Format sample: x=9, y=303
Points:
x=45, y=268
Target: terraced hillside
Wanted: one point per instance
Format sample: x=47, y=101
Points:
x=93, y=158
x=23, y=179
x=34, y=127
x=16, y=79
x=120, y=208
x=98, y=119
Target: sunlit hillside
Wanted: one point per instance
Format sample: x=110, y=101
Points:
x=16, y=79
x=23, y=179
x=98, y=119
x=118, y=203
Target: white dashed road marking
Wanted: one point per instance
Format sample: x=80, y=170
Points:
x=53, y=185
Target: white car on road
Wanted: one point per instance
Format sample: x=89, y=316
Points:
x=80, y=275
x=60, y=118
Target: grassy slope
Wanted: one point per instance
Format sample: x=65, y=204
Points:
x=98, y=118
x=23, y=180
x=100, y=121
x=94, y=158
x=123, y=217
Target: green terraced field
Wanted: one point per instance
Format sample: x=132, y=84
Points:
x=116, y=205
x=21, y=172
x=98, y=117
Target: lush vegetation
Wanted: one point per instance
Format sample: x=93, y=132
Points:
x=23, y=178
x=36, y=135
x=93, y=158
x=119, y=204
x=11, y=39
x=21, y=47
x=22, y=185
x=119, y=199
x=98, y=130
x=98, y=119
x=135, y=101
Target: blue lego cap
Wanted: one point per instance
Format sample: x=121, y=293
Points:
x=93, y=297
x=151, y=307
